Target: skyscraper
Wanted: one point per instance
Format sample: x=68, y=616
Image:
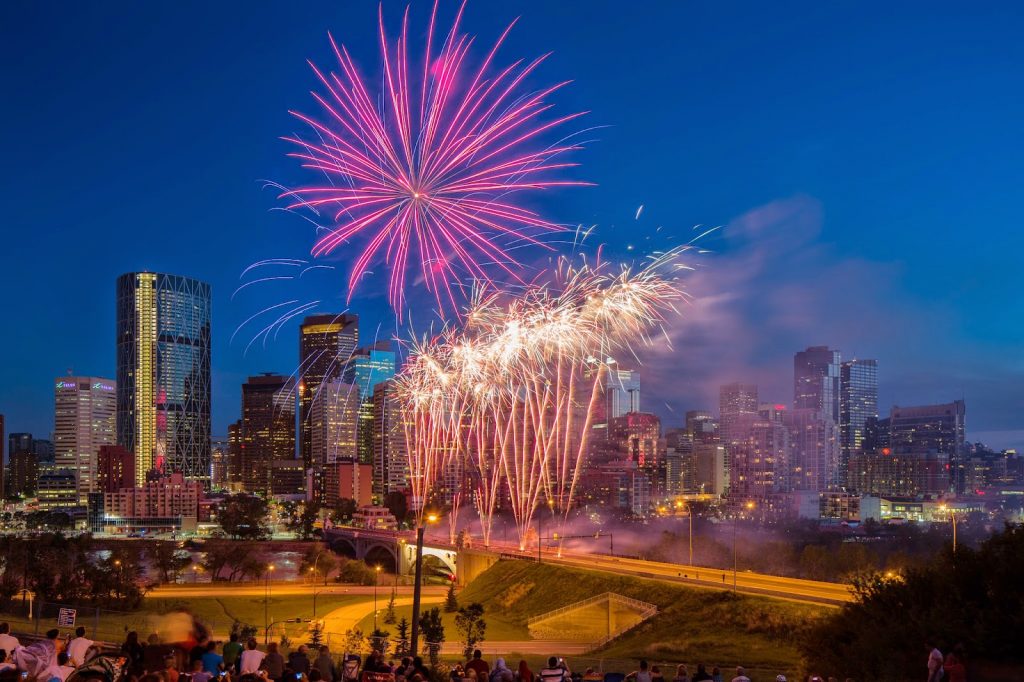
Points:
x=268, y=429
x=163, y=373
x=369, y=366
x=932, y=428
x=735, y=401
x=334, y=423
x=390, y=452
x=813, y=450
x=326, y=343
x=85, y=410
x=858, y=402
x=816, y=380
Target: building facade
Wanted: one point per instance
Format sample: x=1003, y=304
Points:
x=116, y=469
x=816, y=380
x=85, y=419
x=326, y=344
x=390, y=451
x=370, y=366
x=268, y=429
x=163, y=373
x=813, y=449
x=858, y=403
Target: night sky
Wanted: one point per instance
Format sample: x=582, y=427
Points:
x=864, y=160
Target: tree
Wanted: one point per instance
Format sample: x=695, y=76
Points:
x=389, y=615
x=972, y=597
x=469, y=621
x=316, y=635
x=319, y=562
x=433, y=633
x=402, y=645
x=168, y=560
x=357, y=572
x=451, y=602
x=397, y=505
x=244, y=516
x=379, y=640
x=304, y=521
x=354, y=641
x=344, y=509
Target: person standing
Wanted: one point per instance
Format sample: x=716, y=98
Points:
x=273, y=663
x=232, y=652
x=682, y=674
x=741, y=675
x=298, y=660
x=935, y=662
x=524, y=674
x=325, y=664
x=479, y=665
x=702, y=674
x=955, y=665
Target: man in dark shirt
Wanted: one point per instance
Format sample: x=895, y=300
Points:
x=479, y=665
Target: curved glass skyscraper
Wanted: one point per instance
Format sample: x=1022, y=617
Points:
x=163, y=373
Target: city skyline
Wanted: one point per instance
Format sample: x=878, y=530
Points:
x=860, y=285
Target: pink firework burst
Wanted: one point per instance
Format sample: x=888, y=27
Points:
x=423, y=176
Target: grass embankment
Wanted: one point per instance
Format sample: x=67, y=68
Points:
x=692, y=625
x=217, y=611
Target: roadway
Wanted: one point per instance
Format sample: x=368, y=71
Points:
x=747, y=582
x=279, y=589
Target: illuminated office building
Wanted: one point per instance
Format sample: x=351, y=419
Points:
x=816, y=381
x=84, y=421
x=369, y=366
x=326, y=343
x=268, y=430
x=163, y=373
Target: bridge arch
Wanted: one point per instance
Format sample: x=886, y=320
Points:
x=343, y=546
x=379, y=554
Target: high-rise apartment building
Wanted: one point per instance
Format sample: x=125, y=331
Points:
x=85, y=419
x=757, y=456
x=858, y=402
x=268, y=429
x=813, y=449
x=326, y=344
x=816, y=380
x=163, y=373
x=702, y=426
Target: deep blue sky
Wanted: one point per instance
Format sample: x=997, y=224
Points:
x=865, y=158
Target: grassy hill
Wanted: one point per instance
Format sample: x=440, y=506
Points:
x=693, y=625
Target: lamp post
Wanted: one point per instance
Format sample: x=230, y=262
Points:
x=430, y=518
x=735, y=521
x=376, y=580
x=266, y=605
x=689, y=515
x=952, y=517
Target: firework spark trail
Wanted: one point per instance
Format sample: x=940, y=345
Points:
x=515, y=390
x=429, y=174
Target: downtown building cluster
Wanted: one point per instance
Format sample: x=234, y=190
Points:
x=826, y=454
x=132, y=451
x=327, y=432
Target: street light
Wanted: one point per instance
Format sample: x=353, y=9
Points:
x=749, y=506
x=430, y=518
x=952, y=516
x=376, y=579
x=689, y=515
x=266, y=605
